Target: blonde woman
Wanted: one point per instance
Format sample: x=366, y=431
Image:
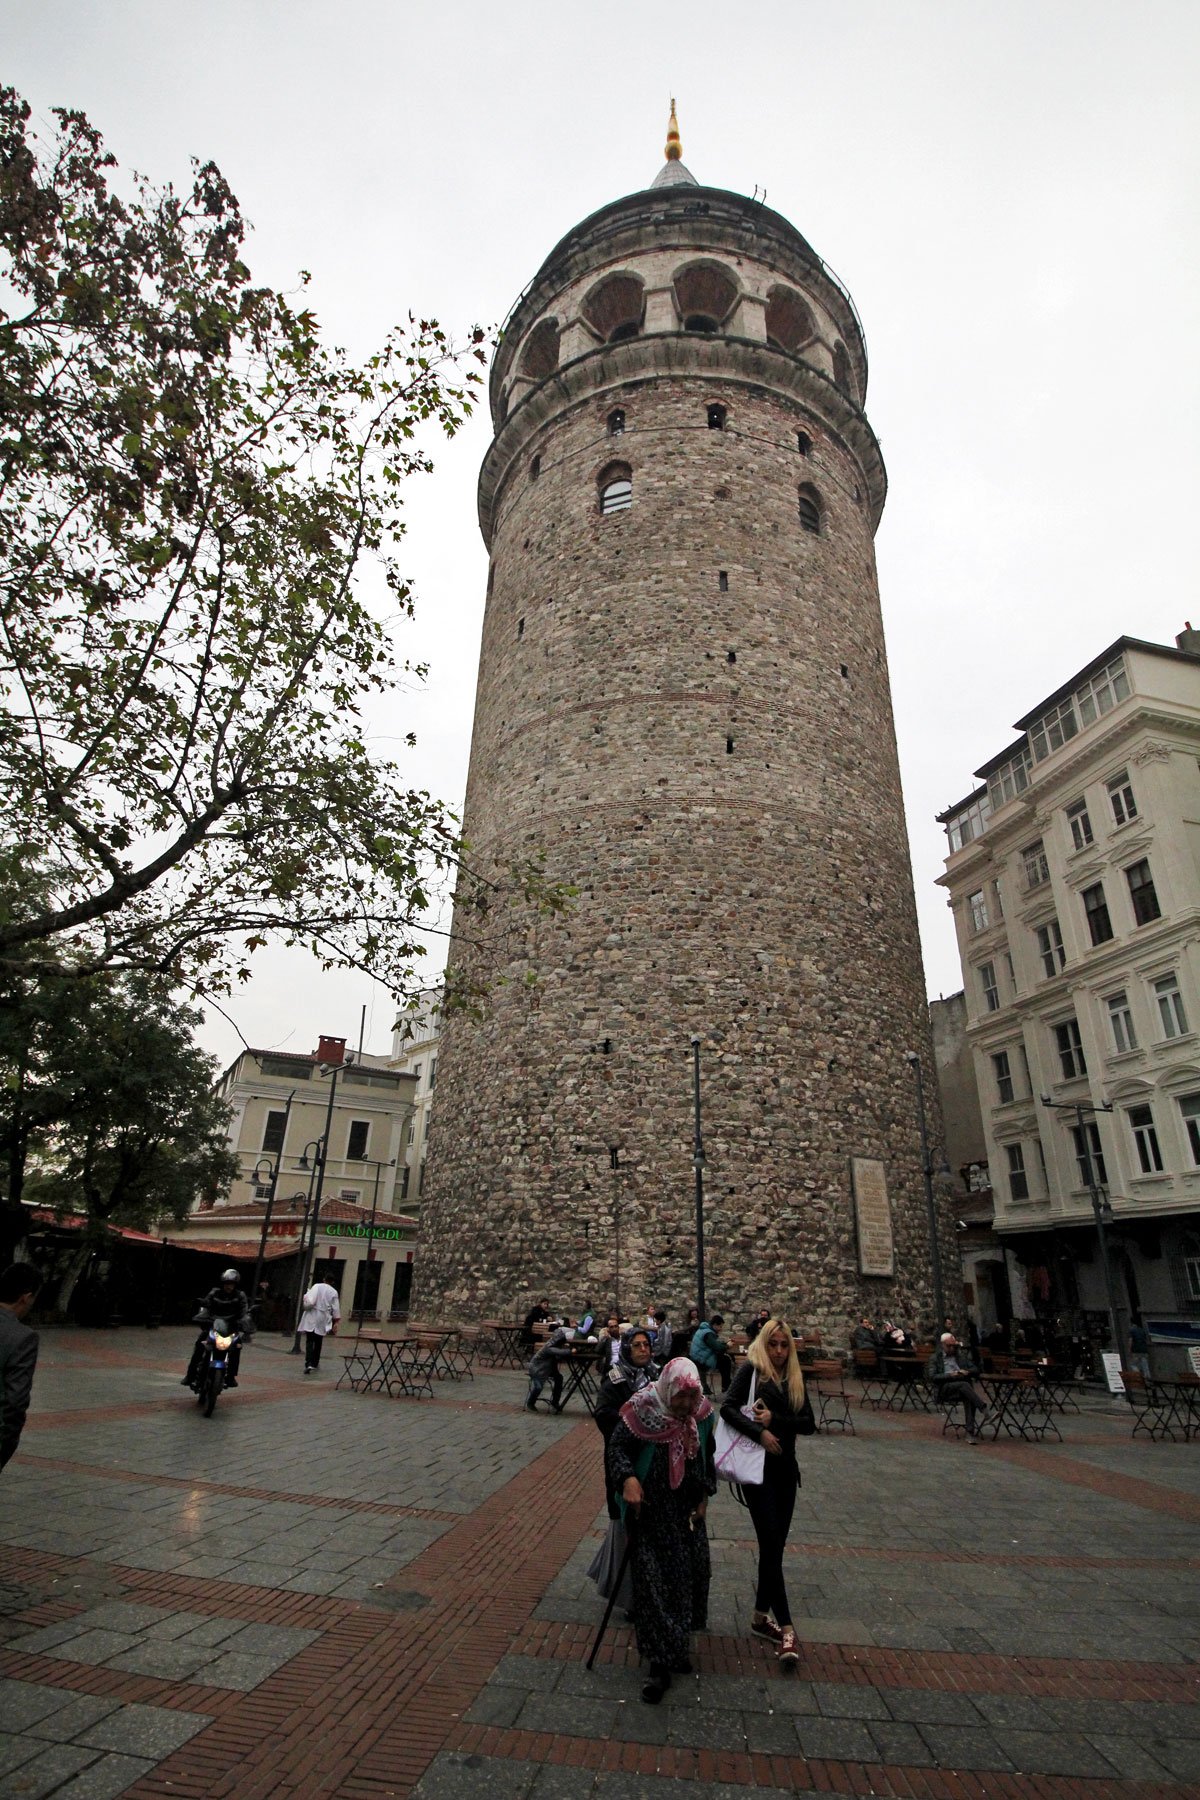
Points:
x=782, y=1412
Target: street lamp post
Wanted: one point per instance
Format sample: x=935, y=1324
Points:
x=314, y=1145
x=266, y=1224
x=698, y=1165
x=1081, y=1108
x=935, y=1252
x=320, y=1157
x=377, y=1166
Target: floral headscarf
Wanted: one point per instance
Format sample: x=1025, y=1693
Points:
x=649, y=1416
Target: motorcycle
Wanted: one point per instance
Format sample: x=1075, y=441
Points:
x=213, y=1371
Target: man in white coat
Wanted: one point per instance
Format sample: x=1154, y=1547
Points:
x=318, y=1320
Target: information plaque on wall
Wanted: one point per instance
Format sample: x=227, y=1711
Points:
x=872, y=1216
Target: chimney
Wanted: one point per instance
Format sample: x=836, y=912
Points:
x=1188, y=639
x=333, y=1050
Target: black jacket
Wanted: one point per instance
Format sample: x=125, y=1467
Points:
x=233, y=1308
x=18, y=1359
x=786, y=1423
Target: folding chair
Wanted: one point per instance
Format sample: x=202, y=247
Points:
x=833, y=1402
x=1153, y=1411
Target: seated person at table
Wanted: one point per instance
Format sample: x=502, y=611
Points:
x=756, y=1323
x=952, y=1373
x=537, y=1315
x=663, y=1335
x=608, y=1345
x=864, y=1336
x=894, y=1338
x=545, y=1365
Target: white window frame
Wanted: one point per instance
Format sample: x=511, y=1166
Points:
x=1189, y=1111
x=977, y=908
x=1036, y=867
x=1120, y=1022
x=1145, y=1138
x=1073, y=1049
x=1080, y=823
x=1003, y=1076
x=1094, y=914
x=1169, y=999
x=1091, y=1133
x=1121, y=799
x=990, y=986
x=1017, y=1171
x=1104, y=690
x=1055, y=728
x=1051, y=951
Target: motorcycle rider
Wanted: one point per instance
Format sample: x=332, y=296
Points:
x=228, y=1301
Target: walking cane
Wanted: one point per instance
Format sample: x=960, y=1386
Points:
x=612, y=1599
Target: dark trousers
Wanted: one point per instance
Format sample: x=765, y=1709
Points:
x=771, y=1507
x=538, y=1382
x=724, y=1368
x=312, y=1349
x=967, y=1392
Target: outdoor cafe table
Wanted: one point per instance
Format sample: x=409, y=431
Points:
x=393, y=1364
x=510, y=1353
x=1058, y=1384
x=1183, y=1392
x=1018, y=1406
x=580, y=1376
x=439, y=1342
x=905, y=1373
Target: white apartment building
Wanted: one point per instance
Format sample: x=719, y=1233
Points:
x=280, y=1108
x=1074, y=878
x=415, y=1053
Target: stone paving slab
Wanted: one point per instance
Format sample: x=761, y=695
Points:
x=193, y=1610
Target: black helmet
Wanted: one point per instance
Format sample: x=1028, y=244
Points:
x=230, y=1275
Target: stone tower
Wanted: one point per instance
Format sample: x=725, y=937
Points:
x=683, y=701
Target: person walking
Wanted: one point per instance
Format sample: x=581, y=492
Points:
x=19, y=1288
x=782, y=1412
x=319, y=1320
x=634, y=1369
x=660, y=1459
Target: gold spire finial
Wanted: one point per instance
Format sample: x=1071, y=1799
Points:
x=674, y=147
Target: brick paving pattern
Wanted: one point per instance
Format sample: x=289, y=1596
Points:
x=318, y=1593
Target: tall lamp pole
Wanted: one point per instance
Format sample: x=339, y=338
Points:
x=315, y=1146
x=266, y=1224
x=698, y=1165
x=1099, y=1202
x=935, y=1252
x=377, y=1166
x=321, y=1155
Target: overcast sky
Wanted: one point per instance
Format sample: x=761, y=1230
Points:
x=1008, y=190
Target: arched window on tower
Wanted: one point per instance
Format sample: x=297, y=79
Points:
x=615, y=483
x=706, y=294
x=614, y=307
x=539, y=357
x=789, y=321
x=804, y=443
x=809, y=502
x=716, y=418
x=841, y=370
x=616, y=421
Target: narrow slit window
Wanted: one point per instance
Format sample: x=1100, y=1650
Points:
x=535, y=468
x=804, y=443
x=731, y=656
x=723, y=580
x=716, y=418
x=809, y=506
x=845, y=672
x=729, y=746
x=520, y=628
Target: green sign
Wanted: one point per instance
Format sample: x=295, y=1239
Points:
x=381, y=1234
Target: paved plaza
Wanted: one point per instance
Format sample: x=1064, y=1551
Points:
x=321, y=1593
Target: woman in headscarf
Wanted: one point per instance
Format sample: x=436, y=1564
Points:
x=782, y=1412
x=660, y=1461
x=634, y=1369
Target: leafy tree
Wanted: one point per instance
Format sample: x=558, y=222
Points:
x=109, y=1106
x=191, y=483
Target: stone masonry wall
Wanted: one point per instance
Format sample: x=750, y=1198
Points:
x=712, y=762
